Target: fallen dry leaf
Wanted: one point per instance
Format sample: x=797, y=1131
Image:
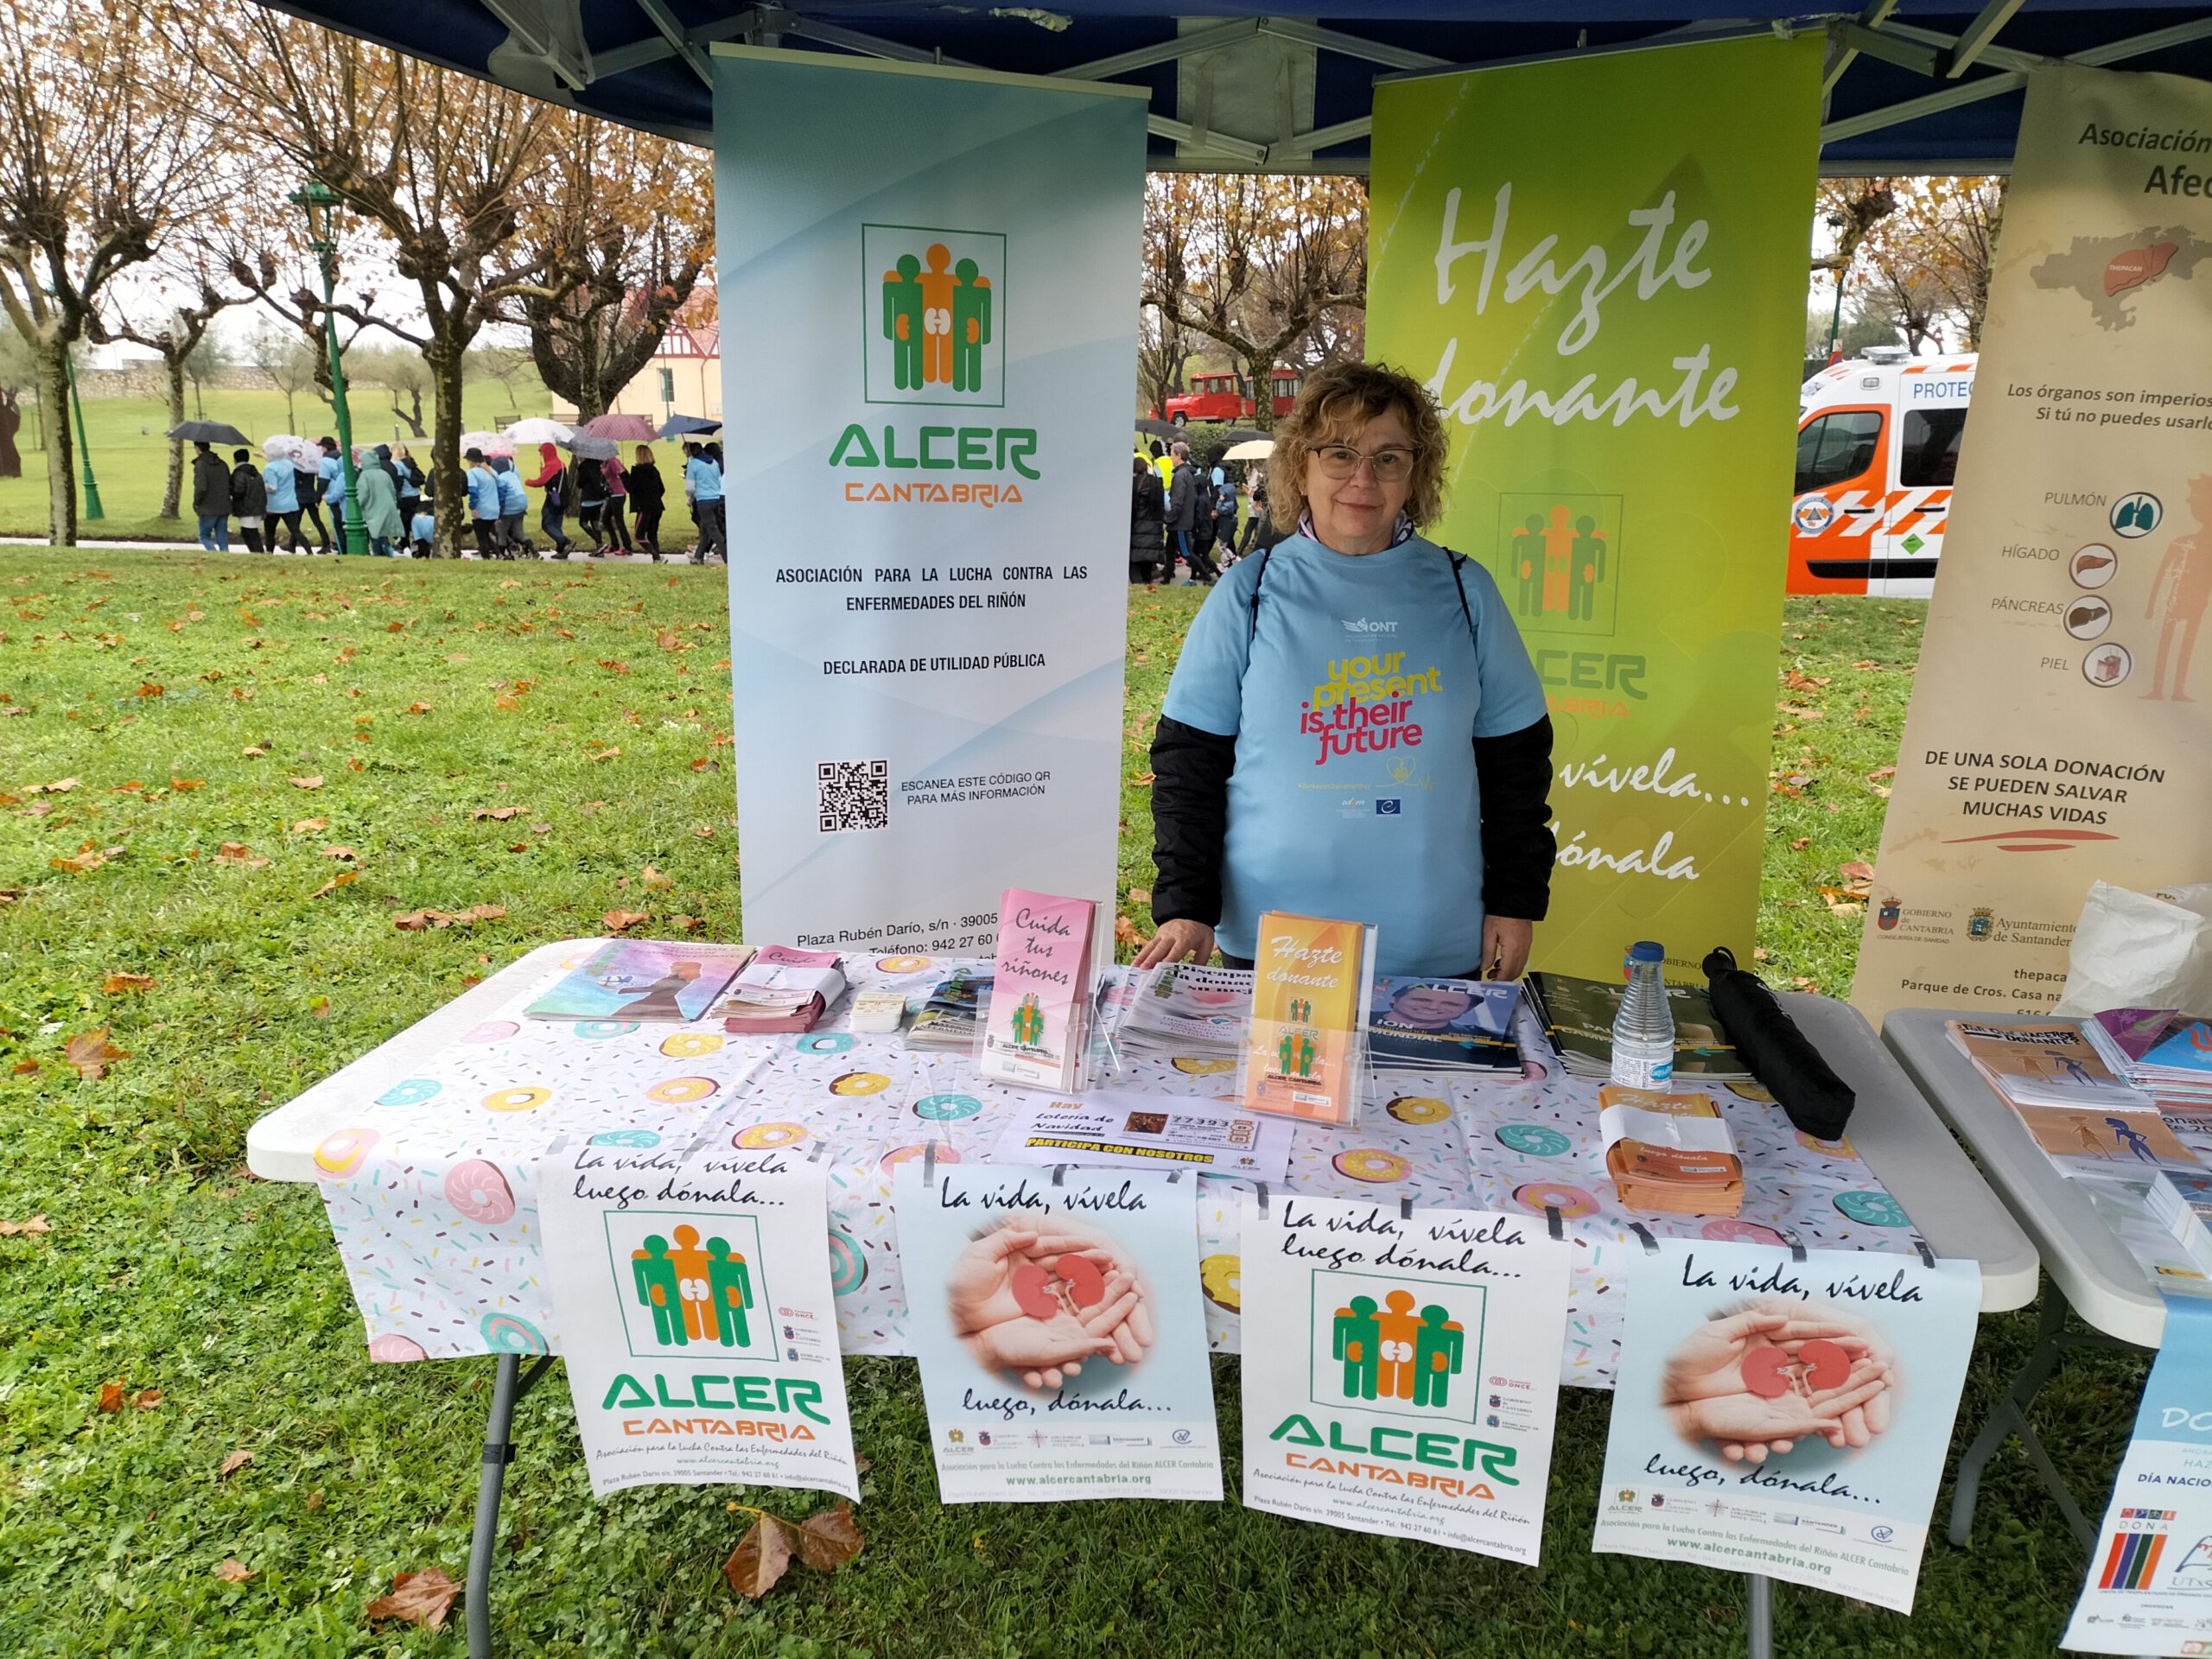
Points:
x=146, y=1399
x=416, y=708
x=1125, y=931
x=178, y=783
x=621, y=921
x=237, y=852
x=497, y=814
x=310, y=826
x=233, y=1463
x=1142, y=778
x=761, y=1557
x=1140, y=895
x=110, y=1397
x=314, y=782
x=91, y=1054
x=1758, y=953
x=36, y=1224
x=319, y=1007
x=422, y=1598
x=335, y=882
x=830, y=1540
x=704, y=831
x=652, y=878
x=1858, y=876
x=608, y=754
x=253, y=751
x=1800, y=843
x=339, y=851
x=1880, y=772
x=687, y=924
x=233, y=1571
x=116, y=984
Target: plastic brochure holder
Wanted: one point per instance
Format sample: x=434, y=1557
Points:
x=1200, y=1017
x=1306, y=1057
x=1038, y=1030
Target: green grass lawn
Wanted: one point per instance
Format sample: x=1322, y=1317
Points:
x=130, y=457
x=597, y=700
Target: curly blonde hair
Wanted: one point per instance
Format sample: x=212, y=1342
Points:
x=1336, y=401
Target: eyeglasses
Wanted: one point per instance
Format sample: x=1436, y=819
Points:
x=1342, y=460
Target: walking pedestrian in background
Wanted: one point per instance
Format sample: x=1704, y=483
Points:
x=211, y=499
x=591, y=501
x=249, y=499
x=332, y=471
x=410, y=484
x=514, y=509
x=612, y=517
x=1182, y=512
x=553, y=479
x=1147, y=514
x=379, y=505
x=280, y=482
x=310, y=490
x=649, y=494
x=703, y=482
x=483, y=505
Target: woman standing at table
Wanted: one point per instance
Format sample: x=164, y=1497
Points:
x=1354, y=728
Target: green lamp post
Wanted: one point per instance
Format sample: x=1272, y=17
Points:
x=84, y=449
x=321, y=204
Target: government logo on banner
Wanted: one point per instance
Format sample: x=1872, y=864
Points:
x=691, y=1284
x=933, y=306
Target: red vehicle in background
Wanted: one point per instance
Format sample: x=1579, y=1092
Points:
x=1228, y=398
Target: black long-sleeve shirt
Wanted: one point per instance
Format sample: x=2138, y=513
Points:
x=1190, y=820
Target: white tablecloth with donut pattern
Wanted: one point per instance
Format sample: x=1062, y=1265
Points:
x=430, y=1187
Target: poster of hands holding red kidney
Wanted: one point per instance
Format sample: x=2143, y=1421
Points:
x=1753, y=1384
x=1039, y=1301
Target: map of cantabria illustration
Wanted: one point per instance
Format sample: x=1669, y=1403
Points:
x=2106, y=269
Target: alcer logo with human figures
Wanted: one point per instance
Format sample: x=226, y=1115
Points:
x=689, y=1283
x=1389, y=1345
x=933, y=316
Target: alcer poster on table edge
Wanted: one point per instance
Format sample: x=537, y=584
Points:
x=690, y=1289
x=1413, y=1371
x=1057, y=1321
x=1784, y=1417
x=2150, y=1583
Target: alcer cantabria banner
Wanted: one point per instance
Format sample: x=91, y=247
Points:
x=928, y=286
x=1598, y=265
x=2058, y=733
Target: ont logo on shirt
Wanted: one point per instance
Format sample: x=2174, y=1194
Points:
x=1361, y=625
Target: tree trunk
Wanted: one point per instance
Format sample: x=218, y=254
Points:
x=1260, y=372
x=449, y=488
x=11, y=422
x=414, y=419
x=171, y=492
x=60, y=459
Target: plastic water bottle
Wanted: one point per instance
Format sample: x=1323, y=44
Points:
x=1643, y=1030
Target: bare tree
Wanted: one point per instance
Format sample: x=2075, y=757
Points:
x=1255, y=261
x=443, y=164
x=508, y=366
x=170, y=317
x=1163, y=352
x=625, y=229
x=289, y=361
x=93, y=173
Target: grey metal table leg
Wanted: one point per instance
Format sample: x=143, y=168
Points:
x=2009, y=1414
x=509, y=1385
x=1761, y=1621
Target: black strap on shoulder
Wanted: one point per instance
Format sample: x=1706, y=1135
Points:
x=1459, y=562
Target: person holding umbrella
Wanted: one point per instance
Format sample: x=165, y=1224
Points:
x=553, y=479
x=650, y=494
x=211, y=498
x=280, y=481
x=249, y=499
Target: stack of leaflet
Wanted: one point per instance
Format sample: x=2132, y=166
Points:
x=1037, y=1034
x=2159, y=1051
x=950, y=1021
x=1419, y=1024
x=2047, y=1065
x=1577, y=1015
x=2151, y=1214
x=642, y=979
x=1188, y=1012
x=782, y=989
x=1669, y=1154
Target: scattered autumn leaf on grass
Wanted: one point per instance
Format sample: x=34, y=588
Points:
x=180, y=783
x=416, y=708
x=499, y=813
x=704, y=831
x=1125, y=931
x=253, y=752
x=314, y=782
x=110, y=1397
x=335, y=882
x=319, y=1007
x=652, y=878
x=340, y=851
x=237, y=852
x=687, y=924
x=615, y=668
x=1758, y=953
x=1140, y=895
x=91, y=1054
x=422, y=1598
x=1142, y=778
x=310, y=826
x=233, y=1463
x=415, y=921
x=149, y=689
x=1800, y=843
x=823, y=1542
x=608, y=754
x=830, y=1540
x=34, y=1225
x=1858, y=876
x=233, y=1571
x=60, y=787
x=1880, y=772
x=115, y=984
x=621, y=921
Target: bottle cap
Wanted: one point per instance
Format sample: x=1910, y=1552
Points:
x=1647, y=950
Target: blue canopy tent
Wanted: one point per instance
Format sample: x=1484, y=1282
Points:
x=1914, y=86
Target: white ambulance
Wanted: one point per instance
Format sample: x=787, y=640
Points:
x=1877, y=448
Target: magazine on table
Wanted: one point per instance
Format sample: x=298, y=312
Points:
x=951, y=1019
x=1186, y=1008
x=643, y=979
x=2051, y=1064
x=1421, y=1023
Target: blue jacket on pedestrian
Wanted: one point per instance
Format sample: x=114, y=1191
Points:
x=281, y=479
x=332, y=473
x=512, y=497
x=704, y=478
x=483, y=493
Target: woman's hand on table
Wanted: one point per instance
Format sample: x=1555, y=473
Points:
x=1184, y=940
x=1506, y=940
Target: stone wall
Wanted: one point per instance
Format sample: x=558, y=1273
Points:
x=146, y=378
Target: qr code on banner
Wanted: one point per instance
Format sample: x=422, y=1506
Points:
x=853, y=795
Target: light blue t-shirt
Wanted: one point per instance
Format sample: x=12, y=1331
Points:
x=281, y=479
x=332, y=471
x=512, y=498
x=704, y=478
x=1355, y=705
x=424, y=529
x=483, y=493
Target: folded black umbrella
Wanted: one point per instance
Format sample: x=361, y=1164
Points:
x=1817, y=1102
x=206, y=432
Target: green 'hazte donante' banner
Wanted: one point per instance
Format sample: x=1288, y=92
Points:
x=1598, y=266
